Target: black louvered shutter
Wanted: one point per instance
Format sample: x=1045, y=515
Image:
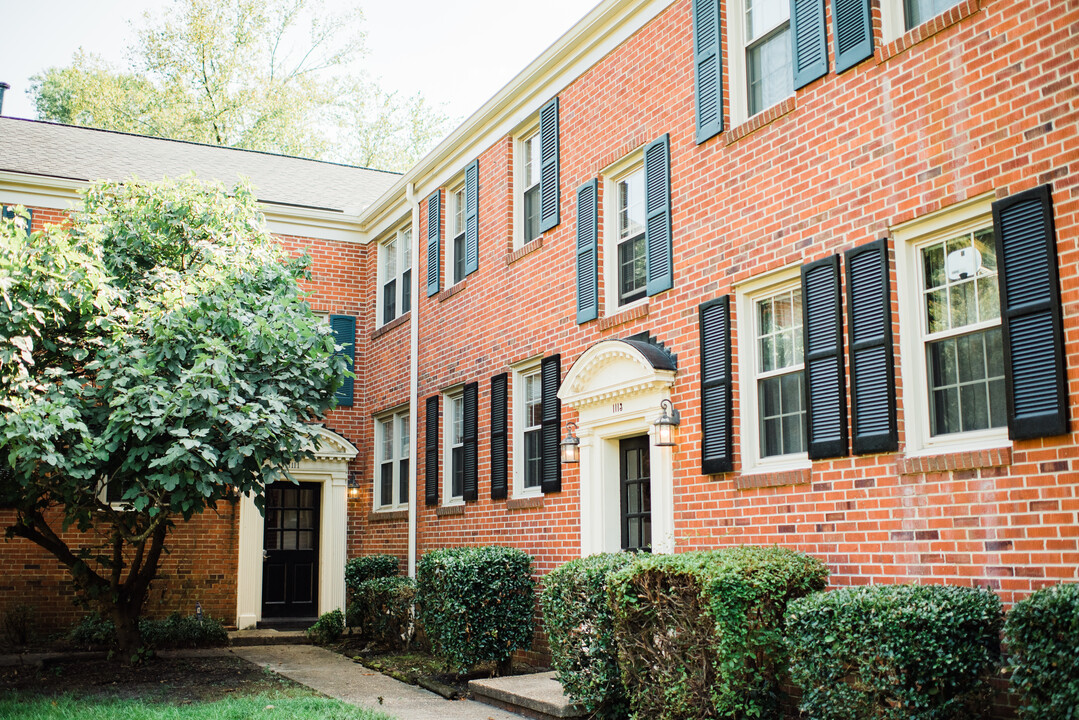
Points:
x=499, y=477
x=472, y=217
x=471, y=437
x=550, y=424
x=550, y=193
x=431, y=453
x=717, y=415
x=707, y=68
x=27, y=222
x=434, y=241
x=344, y=333
x=1033, y=335
x=852, y=33
x=657, y=221
x=872, y=366
x=587, y=235
x=809, y=41
x=825, y=383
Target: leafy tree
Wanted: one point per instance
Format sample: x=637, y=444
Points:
x=273, y=75
x=157, y=350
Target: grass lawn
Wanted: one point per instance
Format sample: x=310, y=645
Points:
x=260, y=707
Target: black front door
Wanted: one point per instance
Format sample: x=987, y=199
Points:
x=636, y=491
x=290, y=551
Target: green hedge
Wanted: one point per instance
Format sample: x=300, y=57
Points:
x=895, y=652
x=476, y=603
x=700, y=635
x=580, y=631
x=175, y=631
x=328, y=628
x=367, y=567
x=1042, y=633
x=382, y=608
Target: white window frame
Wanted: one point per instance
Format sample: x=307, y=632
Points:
x=448, y=399
x=403, y=235
x=520, y=372
x=910, y=237
x=894, y=18
x=399, y=446
x=520, y=182
x=458, y=185
x=746, y=298
x=612, y=175
x=738, y=67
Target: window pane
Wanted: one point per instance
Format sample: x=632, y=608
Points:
x=918, y=11
x=406, y=248
x=781, y=411
x=966, y=383
x=533, y=458
x=386, y=483
x=533, y=396
x=406, y=291
x=459, y=211
x=306, y=540
x=458, y=472
x=387, y=439
x=404, y=435
x=389, y=301
x=402, y=481
x=532, y=213
x=764, y=15
x=769, y=76
x=631, y=205
x=458, y=420
x=631, y=269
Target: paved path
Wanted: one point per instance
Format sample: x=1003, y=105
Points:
x=339, y=677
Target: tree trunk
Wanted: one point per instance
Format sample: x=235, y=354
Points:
x=125, y=616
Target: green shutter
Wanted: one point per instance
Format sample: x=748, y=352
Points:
x=825, y=383
x=470, y=437
x=707, y=68
x=717, y=446
x=472, y=217
x=657, y=222
x=550, y=194
x=1034, y=361
x=434, y=241
x=550, y=424
x=28, y=222
x=852, y=33
x=344, y=333
x=587, y=235
x=431, y=452
x=809, y=41
x=499, y=474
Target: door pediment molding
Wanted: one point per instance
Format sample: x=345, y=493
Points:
x=613, y=369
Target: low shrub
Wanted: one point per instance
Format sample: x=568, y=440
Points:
x=382, y=608
x=359, y=570
x=700, y=634
x=580, y=632
x=19, y=624
x=476, y=603
x=175, y=631
x=328, y=628
x=1042, y=633
x=895, y=652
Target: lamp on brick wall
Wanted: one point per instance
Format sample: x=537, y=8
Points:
x=666, y=425
x=353, y=486
x=570, y=449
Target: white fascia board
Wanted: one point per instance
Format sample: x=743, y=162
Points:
x=40, y=190
x=599, y=33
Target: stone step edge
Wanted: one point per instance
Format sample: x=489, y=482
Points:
x=531, y=707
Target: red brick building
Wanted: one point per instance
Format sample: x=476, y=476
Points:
x=840, y=238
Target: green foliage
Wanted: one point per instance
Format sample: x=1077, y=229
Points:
x=580, y=631
x=19, y=624
x=328, y=628
x=383, y=608
x=360, y=569
x=175, y=631
x=700, y=634
x=1042, y=633
x=259, y=707
x=476, y=603
x=895, y=652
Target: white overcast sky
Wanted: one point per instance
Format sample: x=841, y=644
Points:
x=458, y=53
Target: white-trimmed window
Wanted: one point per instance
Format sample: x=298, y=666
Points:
x=899, y=16
x=395, y=275
x=761, y=68
x=454, y=458
x=392, y=474
x=527, y=182
x=624, y=250
x=772, y=358
x=953, y=357
x=455, y=222
x=527, y=436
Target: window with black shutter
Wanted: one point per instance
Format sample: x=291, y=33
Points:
x=551, y=380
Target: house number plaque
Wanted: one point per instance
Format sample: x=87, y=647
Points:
x=616, y=407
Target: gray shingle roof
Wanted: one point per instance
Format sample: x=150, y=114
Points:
x=65, y=151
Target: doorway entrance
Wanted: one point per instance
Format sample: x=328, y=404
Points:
x=634, y=474
x=290, y=551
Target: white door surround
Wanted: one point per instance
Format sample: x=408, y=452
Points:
x=330, y=468
x=616, y=387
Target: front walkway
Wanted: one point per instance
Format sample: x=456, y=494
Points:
x=337, y=676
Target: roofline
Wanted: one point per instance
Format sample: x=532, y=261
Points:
x=591, y=39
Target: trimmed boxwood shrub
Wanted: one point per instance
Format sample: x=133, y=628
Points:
x=383, y=608
x=700, y=635
x=580, y=631
x=366, y=567
x=895, y=652
x=175, y=631
x=328, y=628
x=476, y=603
x=1042, y=633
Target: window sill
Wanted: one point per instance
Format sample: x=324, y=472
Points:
x=526, y=249
x=634, y=312
x=450, y=510
x=777, y=478
x=395, y=323
x=765, y=117
x=525, y=503
x=387, y=516
x=947, y=462
x=928, y=29
x=451, y=291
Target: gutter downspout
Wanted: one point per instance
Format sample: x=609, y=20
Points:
x=413, y=375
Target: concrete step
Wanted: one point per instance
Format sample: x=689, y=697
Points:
x=537, y=696
x=267, y=636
